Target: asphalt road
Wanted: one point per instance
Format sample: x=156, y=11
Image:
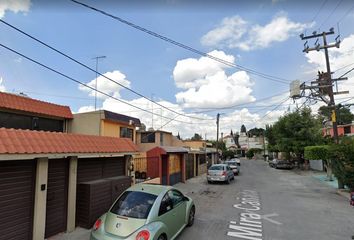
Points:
x=268, y=204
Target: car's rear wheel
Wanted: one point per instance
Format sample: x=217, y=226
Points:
x=210, y=182
x=162, y=237
x=191, y=217
x=228, y=181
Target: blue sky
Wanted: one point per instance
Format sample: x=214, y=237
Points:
x=262, y=36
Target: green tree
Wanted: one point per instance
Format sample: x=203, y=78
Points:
x=344, y=116
x=269, y=134
x=340, y=157
x=256, y=132
x=296, y=130
x=196, y=137
x=220, y=145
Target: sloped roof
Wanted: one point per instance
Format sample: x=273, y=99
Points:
x=26, y=104
x=14, y=141
x=120, y=117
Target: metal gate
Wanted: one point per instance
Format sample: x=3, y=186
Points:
x=17, y=180
x=190, y=166
x=57, y=196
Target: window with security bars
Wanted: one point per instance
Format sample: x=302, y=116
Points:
x=126, y=133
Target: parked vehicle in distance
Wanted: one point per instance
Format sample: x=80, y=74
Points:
x=234, y=166
x=220, y=173
x=273, y=162
x=284, y=164
x=238, y=161
x=146, y=212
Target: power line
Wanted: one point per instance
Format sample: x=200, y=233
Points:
x=85, y=85
x=347, y=72
x=330, y=15
x=166, y=39
x=276, y=107
x=349, y=10
x=95, y=71
x=344, y=67
x=238, y=105
x=319, y=10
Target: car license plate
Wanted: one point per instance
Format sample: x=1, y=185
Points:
x=214, y=179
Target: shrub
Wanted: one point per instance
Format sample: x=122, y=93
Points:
x=316, y=152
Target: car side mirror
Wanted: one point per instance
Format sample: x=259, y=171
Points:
x=186, y=199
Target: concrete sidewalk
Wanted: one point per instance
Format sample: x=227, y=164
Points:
x=77, y=234
x=322, y=177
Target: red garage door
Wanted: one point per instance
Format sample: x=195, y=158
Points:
x=17, y=180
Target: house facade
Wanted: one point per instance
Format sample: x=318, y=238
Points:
x=343, y=130
x=45, y=175
x=105, y=123
x=22, y=112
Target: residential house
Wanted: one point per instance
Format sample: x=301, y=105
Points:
x=343, y=130
x=46, y=175
x=167, y=163
x=161, y=156
x=22, y=112
x=229, y=142
x=198, y=157
x=105, y=123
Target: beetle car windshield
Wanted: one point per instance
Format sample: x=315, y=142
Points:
x=134, y=204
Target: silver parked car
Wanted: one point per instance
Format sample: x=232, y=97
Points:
x=220, y=173
x=234, y=166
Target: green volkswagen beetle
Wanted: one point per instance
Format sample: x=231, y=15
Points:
x=146, y=212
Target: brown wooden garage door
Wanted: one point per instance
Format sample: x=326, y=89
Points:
x=190, y=166
x=57, y=197
x=90, y=169
x=17, y=180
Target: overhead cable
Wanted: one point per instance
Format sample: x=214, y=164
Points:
x=98, y=73
x=184, y=46
x=87, y=86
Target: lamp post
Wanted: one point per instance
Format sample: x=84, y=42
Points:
x=98, y=57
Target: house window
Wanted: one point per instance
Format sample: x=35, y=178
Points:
x=126, y=133
x=347, y=130
x=148, y=137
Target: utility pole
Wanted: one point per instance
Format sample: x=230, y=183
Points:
x=325, y=81
x=98, y=57
x=264, y=147
x=323, y=86
x=152, y=110
x=217, y=136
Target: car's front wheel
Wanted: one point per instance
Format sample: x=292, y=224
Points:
x=162, y=237
x=191, y=217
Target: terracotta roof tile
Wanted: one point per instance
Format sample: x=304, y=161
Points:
x=14, y=141
x=21, y=103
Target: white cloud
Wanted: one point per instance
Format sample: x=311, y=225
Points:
x=2, y=87
x=107, y=86
x=230, y=30
x=232, y=120
x=236, y=32
x=86, y=109
x=14, y=6
x=205, y=83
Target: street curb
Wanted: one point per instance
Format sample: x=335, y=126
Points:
x=344, y=193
